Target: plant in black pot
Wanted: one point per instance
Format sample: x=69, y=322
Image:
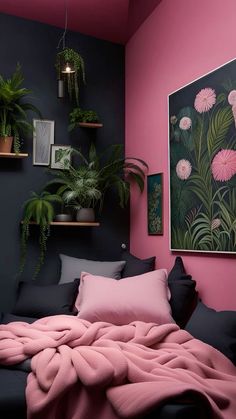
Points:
x=38, y=209
x=79, y=190
x=14, y=112
x=85, y=185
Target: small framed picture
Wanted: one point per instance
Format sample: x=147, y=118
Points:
x=43, y=137
x=155, y=203
x=60, y=156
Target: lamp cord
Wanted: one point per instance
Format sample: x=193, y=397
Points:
x=63, y=37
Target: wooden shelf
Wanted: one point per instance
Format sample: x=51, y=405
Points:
x=13, y=155
x=90, y=125
x=70, y=223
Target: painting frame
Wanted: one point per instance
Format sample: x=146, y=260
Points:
x=155, y=204
x=63, y=161
x=201, y=134
x=43, y=137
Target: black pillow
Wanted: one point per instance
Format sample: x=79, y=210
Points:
x=45, y=300
x=216, y=328
x=135, y=266
x=183, y=293
x=8, y=318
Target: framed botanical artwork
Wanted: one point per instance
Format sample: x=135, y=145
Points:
x=202, y=163
x=43, y=137
x=60, y=156
x=155, y=203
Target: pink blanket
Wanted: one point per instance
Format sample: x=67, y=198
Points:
x=82, y=370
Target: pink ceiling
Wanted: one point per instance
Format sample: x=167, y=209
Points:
x=113, y=20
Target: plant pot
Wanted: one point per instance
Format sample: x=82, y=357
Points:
x=85, y=215
x=63, y=218
x=6, y=144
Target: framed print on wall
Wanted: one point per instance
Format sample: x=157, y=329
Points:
x=202, y=163
x=43, y=137
x=155, y=203
x=60, y=156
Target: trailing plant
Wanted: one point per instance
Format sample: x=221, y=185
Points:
x=13, y=108
x=79, y=115
x=69, y=56
x=38, y=208
x=88, y=183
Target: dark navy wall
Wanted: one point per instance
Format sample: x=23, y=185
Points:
x=34, y=46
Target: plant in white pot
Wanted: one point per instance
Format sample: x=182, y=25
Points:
x=13, y=112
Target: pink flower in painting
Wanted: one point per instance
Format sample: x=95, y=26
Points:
x=224, y=165
x=234, y=113
x=215, y=223
x=183, y=169
x=232, y=97
x=205, y=99
x=185, y=123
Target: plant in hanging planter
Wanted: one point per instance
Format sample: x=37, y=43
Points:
x=79, y=115
x=39, y=209
x=70, y=66
x=13, y=112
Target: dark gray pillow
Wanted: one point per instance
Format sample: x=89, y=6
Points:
x=135, y=266
x=183, y=293
x=45, y=300
x=217, y=328
x=71, y=268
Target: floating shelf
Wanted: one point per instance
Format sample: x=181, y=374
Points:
x=70, y=223
x=13, y=155
x=90, y=125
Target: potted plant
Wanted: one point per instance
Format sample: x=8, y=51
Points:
x=79, y=190
x=13, y=111
x=87, y=184
x=39, y=209
x=70, y=67
x=82, y=117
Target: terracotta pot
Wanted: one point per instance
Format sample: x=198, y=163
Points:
x=85, y=215
x=6, y=144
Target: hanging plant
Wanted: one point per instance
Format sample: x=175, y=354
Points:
x=39, y=209
x=71, y=60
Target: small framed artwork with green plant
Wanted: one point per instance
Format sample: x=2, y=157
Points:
x=155, y=203
x=60, y=156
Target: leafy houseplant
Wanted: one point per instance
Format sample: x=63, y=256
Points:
x=39, y=209
x=86, y=185
x=69, y=58
x=79, y=115
x=79, y=188
x=13, y=111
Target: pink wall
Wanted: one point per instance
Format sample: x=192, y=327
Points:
x=179, y=42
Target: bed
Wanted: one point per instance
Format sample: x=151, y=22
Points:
x=54, y=307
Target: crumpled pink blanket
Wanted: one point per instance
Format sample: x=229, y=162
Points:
x=82, y=370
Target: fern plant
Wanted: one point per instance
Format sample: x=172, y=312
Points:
x=39, y=209
x=13, y=108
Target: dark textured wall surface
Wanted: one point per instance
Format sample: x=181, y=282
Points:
x=34, y=46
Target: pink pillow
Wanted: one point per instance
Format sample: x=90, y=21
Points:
x=143, y=297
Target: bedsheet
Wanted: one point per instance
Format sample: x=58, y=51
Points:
x=122, y=370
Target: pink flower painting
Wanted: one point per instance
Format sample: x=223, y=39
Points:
x=224, y=165
x=183, y=169
x=185, y=123
x=205, y=100
x=232, y=97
